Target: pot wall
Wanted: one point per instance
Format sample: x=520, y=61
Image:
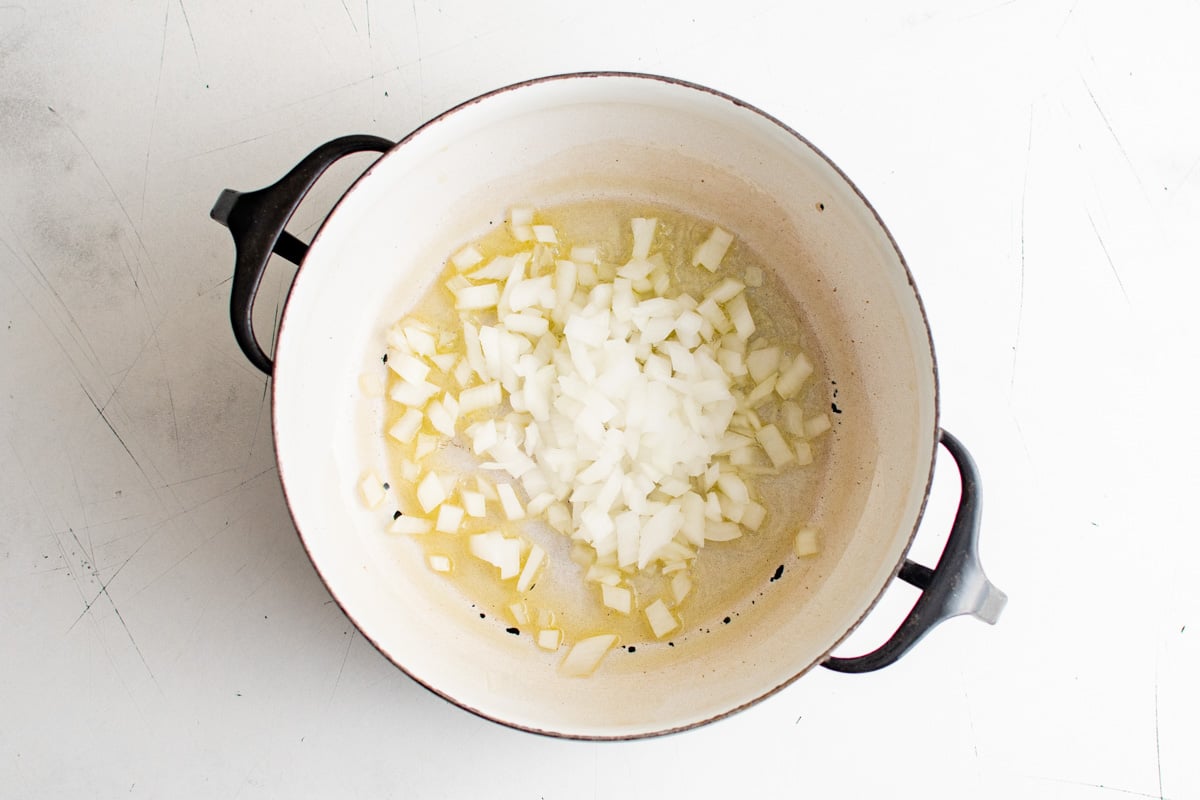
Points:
x=564, y=140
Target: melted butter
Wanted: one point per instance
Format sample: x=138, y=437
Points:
x=724, y=574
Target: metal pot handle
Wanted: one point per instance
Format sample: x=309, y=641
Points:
x=257, y=220
x=957, y=585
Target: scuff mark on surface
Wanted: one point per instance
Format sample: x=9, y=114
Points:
x=420, y=62
x=1112, y=266
x=192, y=36
x=1157, y=734
x=1021, y=282
x=342, y=668
x=162, y=57
x=111, y=189
x=209, y=539
x=120, y=439
x=1113, y=134
x=353, y=24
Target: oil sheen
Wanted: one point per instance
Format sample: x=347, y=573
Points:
x=724, y=573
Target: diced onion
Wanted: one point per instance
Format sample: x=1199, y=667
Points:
x=710, y=254
x=485, y=295
x=430, y=492
x=793, y=377
x=618, y=598
x=406, y=523
x=372, y=490
x=628, y=418
x=806, y=542
x=466, y=258
x=549, y=638
x=474, y=503
x=529, y=572
x=585, y=655
x=499, y=551
x=449, y=518
x=660, y=618
x=815, y=426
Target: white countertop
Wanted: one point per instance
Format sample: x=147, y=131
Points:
x=164, y=634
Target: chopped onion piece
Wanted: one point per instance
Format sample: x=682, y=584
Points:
x=430, y=492
x=584, y=254
x=520, y=612
x=527, y=324
x=372, y=384
x=761, y=392
x=462, y=372
x=643, y=236
x=439, y=563
x=414, y=395
x=410, y=470
x=466, y=258
x=807, y=542
x=793, y=377
x=426, y=444
x=407, y=426
x=723, y=531
x=815, y=426
x=804, y=453
x=753, y=516
x=661, y=620
x=484, y=435
x=533, y=563
x=792, y=417
x=774, y=445
x=763, y=362
x=734, y=488
x=449, y=518
x=754, y=277
x=739, y=315
x=497, y=550
x=710, y=254
x=681, y=585
x=372, y=490
x=443, y=414
x=509, y=502
x=479, y=397
x=444, y=361
x=474, y=503
x=539, y=503
x=549, y=639
x=713, y=313
x=485, y=487
x=485, y=295
x=545, y=234
x=725, y=291
x=583, y=658
x=520, y=224
x=421, y=341
x=408, y=524
x=618, y=598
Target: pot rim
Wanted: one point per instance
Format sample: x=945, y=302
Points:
x=936, y=405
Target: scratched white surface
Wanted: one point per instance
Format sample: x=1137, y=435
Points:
x=163, y=633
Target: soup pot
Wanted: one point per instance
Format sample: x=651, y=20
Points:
x=668, y=143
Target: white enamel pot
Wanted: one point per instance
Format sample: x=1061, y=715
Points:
x=669, y=143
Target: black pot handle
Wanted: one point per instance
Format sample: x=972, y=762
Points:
x=257, y=220
x=955, y=586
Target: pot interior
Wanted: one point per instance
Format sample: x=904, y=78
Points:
x=633, y=139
